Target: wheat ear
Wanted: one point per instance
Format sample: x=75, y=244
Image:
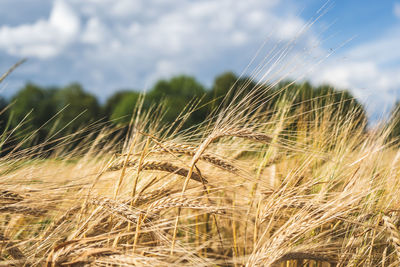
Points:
x=9, y=196
x=14, y=252
x=181, y=202
x=161, y=166
x=21, y=210
x=306, y=256
x=190, y=151
x=120, y=209
x=394, y=235
x=247, y=134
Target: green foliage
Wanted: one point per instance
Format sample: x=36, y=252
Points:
x=81, y=107
x=394, y=124
x=313, y=104
x=124, y=107
x=177, y=93
x=343, y=102
x=113, y=101
x=222, y=84
x=228, y=87
x=32, y=109
x=4, y=113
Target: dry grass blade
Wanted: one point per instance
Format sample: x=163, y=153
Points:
x=67, y=215
x=16, y=65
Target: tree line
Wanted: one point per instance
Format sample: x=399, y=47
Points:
x=62, y=111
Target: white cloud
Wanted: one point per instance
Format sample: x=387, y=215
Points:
x=126, y=43
x=369, y=70
x=120, y=32
x=130, y=44
x=359, y=75
x=94, y=32
x=396, y=9
x=44, y=38
x=126, y=7
x=290, y=28
x=383, y=49
x=158, y=39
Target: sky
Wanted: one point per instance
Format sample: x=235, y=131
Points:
x=109, y=45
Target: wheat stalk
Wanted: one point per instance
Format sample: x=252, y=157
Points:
x=68, y=214
x=168, y=167
x=16, y=65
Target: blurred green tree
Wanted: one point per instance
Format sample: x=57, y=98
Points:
x=394, y=123
x=228, y=87
x=177, y=93
x=113, y=101
x=309, y=103
x=81, y=107
x=125, y=106
x=4, y=113
x=32, y=108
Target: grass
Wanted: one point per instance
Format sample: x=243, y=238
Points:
x=243, y=189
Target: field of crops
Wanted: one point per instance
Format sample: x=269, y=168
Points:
x=288, y=187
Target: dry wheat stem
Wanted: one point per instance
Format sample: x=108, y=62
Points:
x=16, y=65
x=124, y=166
x=139, y=168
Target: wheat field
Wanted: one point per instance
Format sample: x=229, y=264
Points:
x=241, y=189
